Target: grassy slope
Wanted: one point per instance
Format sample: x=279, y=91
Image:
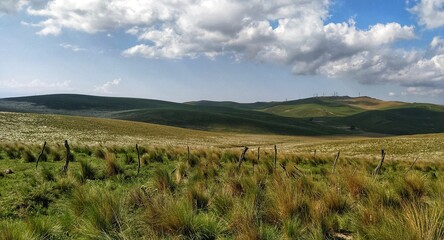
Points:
x=28, y=128
x=333, y=115
x=399, y=121
x=367, y=114
x=167, y=113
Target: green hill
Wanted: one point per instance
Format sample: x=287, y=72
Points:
x=311, y=116
x=167, y=113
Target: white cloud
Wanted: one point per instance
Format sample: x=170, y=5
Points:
x=10, y=6
x=71, y=47
x=430, y=13
x=392, y=94
x=423, y=91
x=35, y=85
x=106, y=87
x=287, y=32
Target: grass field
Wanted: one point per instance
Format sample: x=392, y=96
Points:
x=208, y=194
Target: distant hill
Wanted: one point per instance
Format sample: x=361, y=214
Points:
x=311, y=116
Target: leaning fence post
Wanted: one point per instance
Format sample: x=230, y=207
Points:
x=336, y=161
x=68, y=156
x=242, y=157
x=378, y=168
x=411, y=166
x=138, y=157
x=41, y=153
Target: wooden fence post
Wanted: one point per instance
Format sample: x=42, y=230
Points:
x=378, y=168
x=336, y=161
x=41, y=153
x=138, y=157
x=68, y=156
x=411, y=166
x=242, y=157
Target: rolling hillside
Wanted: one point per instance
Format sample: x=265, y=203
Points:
x=167, y=113
x=311, y=116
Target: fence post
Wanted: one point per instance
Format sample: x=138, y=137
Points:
x=41, y=153
x=336, y=161
x=378, y=168
x=242, y=157
x=68, y=156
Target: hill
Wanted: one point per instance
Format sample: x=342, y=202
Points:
x=167, y=113
x=311, y=116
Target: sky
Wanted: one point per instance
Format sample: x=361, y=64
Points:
x=234, y=50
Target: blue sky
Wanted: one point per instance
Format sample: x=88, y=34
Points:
x=242, y=51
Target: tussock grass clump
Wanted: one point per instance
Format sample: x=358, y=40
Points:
x=163, y=181
x=334, y=202
x=199, y=198
x=13, y=231
x=13, y=153
x=47, y=174
x=38, y=199
x=99, y=214
x=112, y=167
x=56, y=156
x=129, y=159
x=139, y=197
x=415, y=186
x=44, y=228
x=424, y=221
x=287, y=200
x=100, y=153
x=87, y=171
x=177, y=218
x=66, y=184
x=222, y=204
x=28, y=156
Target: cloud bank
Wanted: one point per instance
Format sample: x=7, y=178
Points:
x=296, y=33
x=430, y=13
x=10, y=6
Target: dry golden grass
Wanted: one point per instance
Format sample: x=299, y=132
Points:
x=35, y=128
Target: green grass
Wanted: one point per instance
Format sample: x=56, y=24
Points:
x=210, y=198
